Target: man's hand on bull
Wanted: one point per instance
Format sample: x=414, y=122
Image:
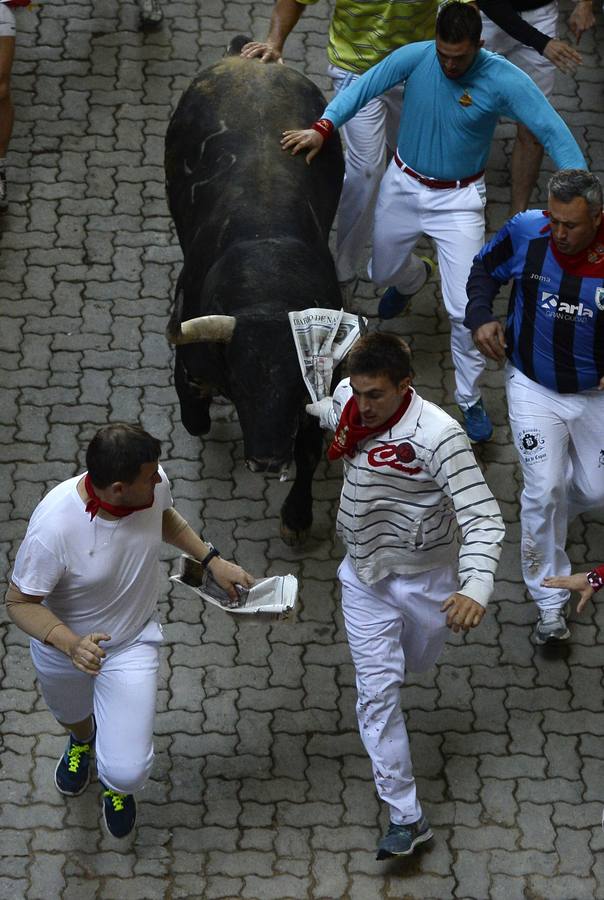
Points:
x=267, y=52
x=227, y=575
x=307, y=139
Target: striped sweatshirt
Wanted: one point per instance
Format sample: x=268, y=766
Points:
x=414, y=498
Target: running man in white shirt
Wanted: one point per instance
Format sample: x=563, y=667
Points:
x=85, y=587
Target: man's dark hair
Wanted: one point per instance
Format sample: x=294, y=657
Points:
x=117, y=452
x=568, y=184
x=457, y=22
x=379, y=353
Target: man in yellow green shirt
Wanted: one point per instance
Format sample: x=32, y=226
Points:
x=361, y=34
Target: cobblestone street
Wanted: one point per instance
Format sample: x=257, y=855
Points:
x=261, y=788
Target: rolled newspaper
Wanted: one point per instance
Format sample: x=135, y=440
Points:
x=322, y=338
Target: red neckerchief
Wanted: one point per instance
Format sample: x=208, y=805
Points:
x=95, y=503
x=589, y=263
x=350, y=432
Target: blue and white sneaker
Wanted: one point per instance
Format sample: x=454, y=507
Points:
x=72, y=774
x=393, y=303
x=401, y=840
x=119, y=812
x=477, y=424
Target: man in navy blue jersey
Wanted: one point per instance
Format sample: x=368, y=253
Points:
x=554, y=344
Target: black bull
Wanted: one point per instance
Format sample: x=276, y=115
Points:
x=253, y=224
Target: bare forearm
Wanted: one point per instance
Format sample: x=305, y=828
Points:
x=30, y=615
x=187, y=541
x=286, y=14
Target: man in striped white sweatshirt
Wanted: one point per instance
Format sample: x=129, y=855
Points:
x=423, y=536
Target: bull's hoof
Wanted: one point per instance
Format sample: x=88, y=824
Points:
x=195, y=417
x=293, y=537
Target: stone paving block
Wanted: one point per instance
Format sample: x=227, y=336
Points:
x=471, y=871
x=13, y=887
x=562, y=887
x=86, y=290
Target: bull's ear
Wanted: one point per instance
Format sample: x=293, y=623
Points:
x=214, y=329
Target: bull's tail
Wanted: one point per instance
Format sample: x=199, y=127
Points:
x=235, y=46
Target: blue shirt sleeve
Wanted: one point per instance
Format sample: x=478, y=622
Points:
x=394, y=69
x=492, y=268
x=521, y=99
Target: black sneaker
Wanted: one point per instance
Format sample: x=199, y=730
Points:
x=72, y=774
x=119, y=812
x=401, y=840
x=3, y=190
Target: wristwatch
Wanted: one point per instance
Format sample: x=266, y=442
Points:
x=210, y=556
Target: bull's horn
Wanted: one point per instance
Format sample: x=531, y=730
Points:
x=218, y=329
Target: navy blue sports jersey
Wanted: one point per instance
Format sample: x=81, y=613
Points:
x=555, y=322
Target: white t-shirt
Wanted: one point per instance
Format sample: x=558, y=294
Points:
x=95, y=576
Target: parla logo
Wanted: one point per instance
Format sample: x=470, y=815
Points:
x=549, y=300
x=559, y=309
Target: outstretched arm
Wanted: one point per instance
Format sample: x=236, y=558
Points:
x=522, y=100
x=304, y=139
x=176, y=531
x=586, y=583
x=283, y=20
x=503, y=13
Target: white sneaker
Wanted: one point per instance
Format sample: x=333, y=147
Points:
x=151, y=13
x=551, y=626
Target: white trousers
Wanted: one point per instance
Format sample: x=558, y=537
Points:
x=560, y=442
x=122, y=697
x=540, y=69
x=454, y=219
x=367, y=135
x=392, y=626
x=8, y=27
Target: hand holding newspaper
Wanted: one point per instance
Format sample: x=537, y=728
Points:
x=322, y=338
x=270, y=598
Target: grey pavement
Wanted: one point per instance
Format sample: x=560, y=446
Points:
x=261, y=788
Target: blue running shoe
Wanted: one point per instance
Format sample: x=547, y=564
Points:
x=401, y=840
x=393, y=303
x=72, y=773
x=119, y=812
x=479, y=427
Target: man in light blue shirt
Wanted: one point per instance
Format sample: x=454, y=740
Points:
x=455, y=92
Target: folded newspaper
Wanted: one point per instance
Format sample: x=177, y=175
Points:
x=270, y=598
x=322, y=338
